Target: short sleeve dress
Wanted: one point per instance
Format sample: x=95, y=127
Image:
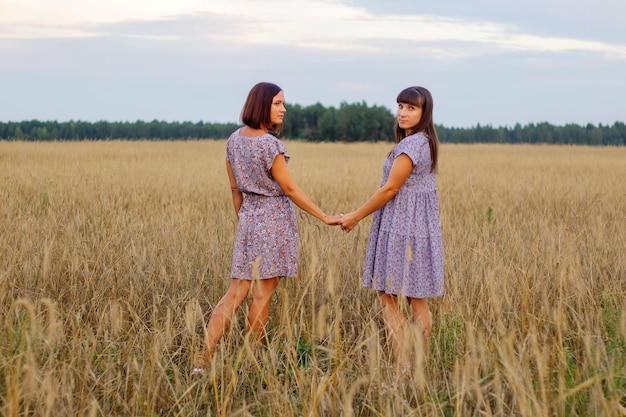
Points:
x=266, y=244
x=405, y=250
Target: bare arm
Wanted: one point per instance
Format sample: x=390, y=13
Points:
x=400, y=171
x=281, y=174
x=236, y=193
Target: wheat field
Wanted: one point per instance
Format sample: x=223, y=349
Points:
x=112, y=255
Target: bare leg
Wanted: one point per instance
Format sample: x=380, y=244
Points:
x=422, y=318
x=395, y=322
x=224, y=312
x=258, y=314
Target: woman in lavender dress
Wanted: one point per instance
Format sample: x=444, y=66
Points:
x=266, y=246
x=405, y=251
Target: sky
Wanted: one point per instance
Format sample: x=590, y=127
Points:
x=488, y=62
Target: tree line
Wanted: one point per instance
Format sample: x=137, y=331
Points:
x=355, y=122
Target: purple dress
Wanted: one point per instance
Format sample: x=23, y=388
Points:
x=405, y=250
x=267, y=233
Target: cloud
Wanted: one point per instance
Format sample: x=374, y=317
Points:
x=328, y=26
x=196, y=62
x=80, y=12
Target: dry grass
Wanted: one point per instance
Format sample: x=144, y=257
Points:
x=112, y=255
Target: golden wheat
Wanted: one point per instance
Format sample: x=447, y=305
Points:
x=112, y=255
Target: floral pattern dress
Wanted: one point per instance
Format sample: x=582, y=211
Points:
x=405, y=250
x=266, y=244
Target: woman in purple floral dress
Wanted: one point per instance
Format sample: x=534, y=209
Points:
x=266, y=246
x=405, y=251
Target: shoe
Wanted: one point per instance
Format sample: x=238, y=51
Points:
x=199, y=366
x=198, y=371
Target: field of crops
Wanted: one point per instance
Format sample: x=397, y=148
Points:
x=112, y=255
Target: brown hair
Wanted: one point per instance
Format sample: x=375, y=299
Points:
x=420, y=97
x=257, y=108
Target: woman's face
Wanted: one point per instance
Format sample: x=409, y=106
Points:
x=277, y=112
x=408, y=115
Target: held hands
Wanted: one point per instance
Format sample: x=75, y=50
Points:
x=348, y=222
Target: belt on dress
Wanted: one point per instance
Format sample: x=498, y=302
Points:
x=263, y=195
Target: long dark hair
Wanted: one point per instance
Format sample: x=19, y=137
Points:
x=420, y=97
x=257, y=108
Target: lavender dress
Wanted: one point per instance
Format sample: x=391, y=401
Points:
x=405, y=250
x=267, y=233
